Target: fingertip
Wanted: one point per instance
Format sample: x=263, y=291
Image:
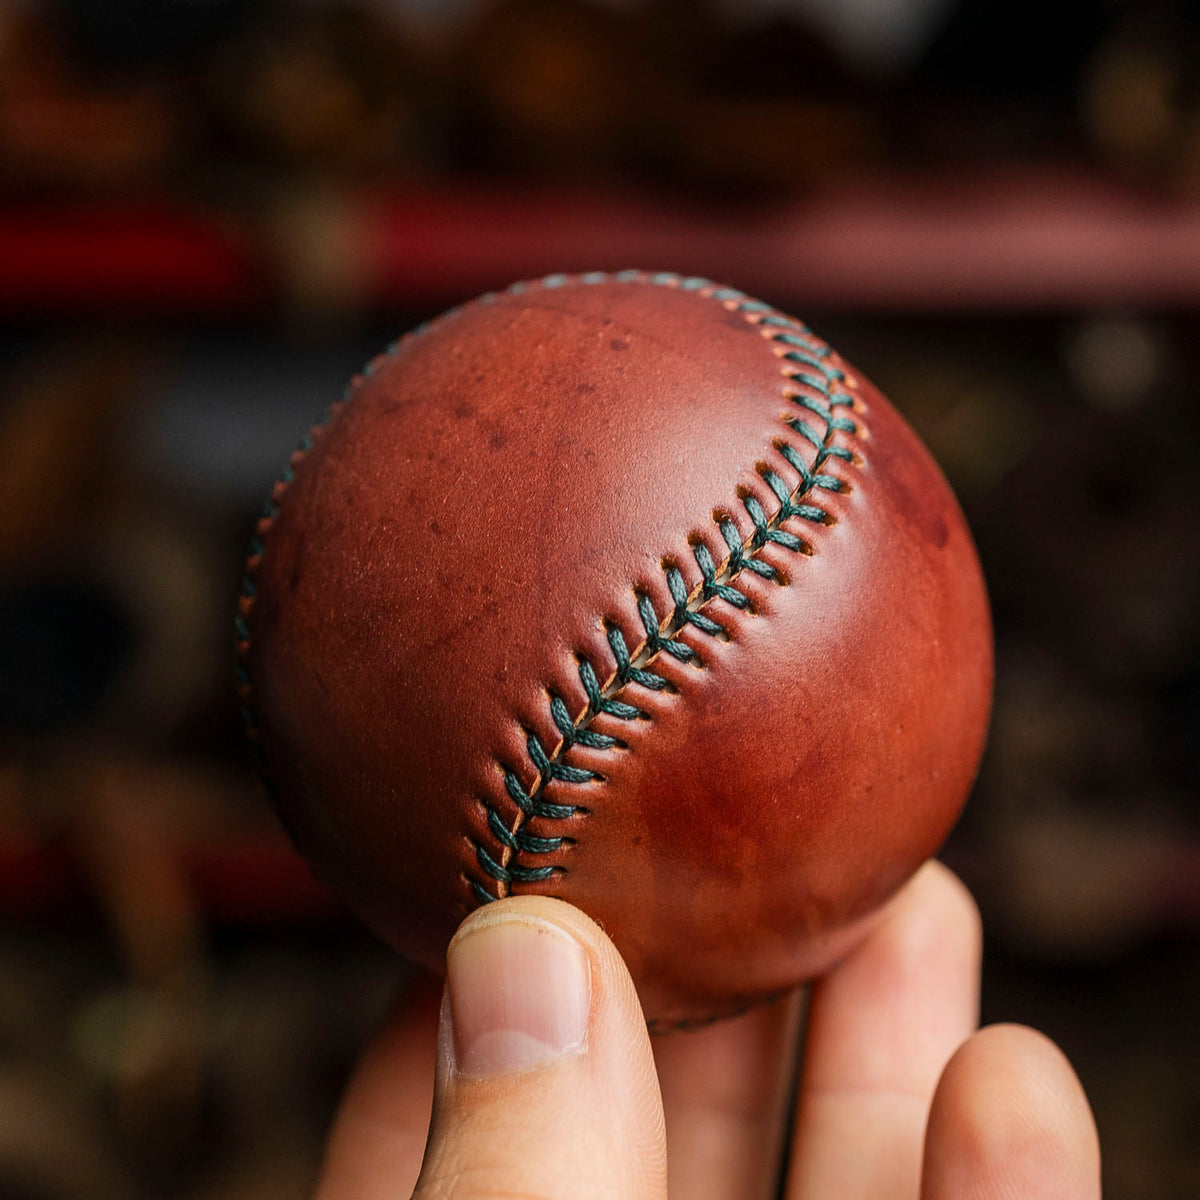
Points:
x=615, y=1008
x=937, y=908
x=930, y=929
x=573, y=921
x=911, y=986
x=545, y=1073
x=1010, y=1118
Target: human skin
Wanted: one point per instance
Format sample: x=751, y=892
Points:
x=534, y=1062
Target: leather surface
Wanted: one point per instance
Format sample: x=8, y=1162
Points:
x=502, y=485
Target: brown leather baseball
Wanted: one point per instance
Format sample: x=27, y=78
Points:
x=625, y=589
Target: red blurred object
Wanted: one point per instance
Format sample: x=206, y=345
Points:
x=257, y=879
x=1010, y=240
x=995, y=240
x=129, y=256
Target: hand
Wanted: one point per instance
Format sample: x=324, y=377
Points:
x=547, y=1085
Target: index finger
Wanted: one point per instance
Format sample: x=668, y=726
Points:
x=881, y=1027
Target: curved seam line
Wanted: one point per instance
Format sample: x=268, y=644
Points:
x=803, y=348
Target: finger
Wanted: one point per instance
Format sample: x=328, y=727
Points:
x=378, y=1138
x=881, y=1027
x=545, y=1078
x=725, y=1091
x=1009, y=1119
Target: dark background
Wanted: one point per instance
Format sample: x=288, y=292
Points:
x=212, y=212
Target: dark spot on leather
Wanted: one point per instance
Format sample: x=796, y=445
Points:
x=497, y=438
x=464, y=411
x=619, y=343
x=434, y=527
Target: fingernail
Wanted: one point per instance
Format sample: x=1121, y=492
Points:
x=520, y=994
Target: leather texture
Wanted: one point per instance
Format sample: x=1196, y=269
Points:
x=493, y=500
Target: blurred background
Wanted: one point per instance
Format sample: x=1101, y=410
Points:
x=212, y=212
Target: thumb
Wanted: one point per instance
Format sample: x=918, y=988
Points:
x=545, y=1080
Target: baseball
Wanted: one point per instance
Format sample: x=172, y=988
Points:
x=627, y=589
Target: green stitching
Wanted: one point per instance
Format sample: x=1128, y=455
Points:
x=270, y=510
x=804, y=350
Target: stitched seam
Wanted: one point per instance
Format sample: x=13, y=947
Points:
x=247, y=590
x=812, y=386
